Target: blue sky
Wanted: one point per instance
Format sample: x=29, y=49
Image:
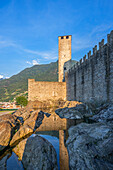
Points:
x=29, y=30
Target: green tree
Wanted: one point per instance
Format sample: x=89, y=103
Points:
x=21, y=100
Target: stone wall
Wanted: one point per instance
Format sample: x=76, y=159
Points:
x=42, y=91
x=67, y=65
x=92, y=76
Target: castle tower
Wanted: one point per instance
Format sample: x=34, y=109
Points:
x=64, y=53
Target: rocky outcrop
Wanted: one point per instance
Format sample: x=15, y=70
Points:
x=5, y=134
x=8, y=124
x=9, y=118
x=78, y=112
x=90, y=146
x=70, y=104
x=35, y=119
x=20, y=134
x=45, y=104
x=24, y=113
x=29, y=126
x=36, y=153
x=104, y=114
x=51, y=103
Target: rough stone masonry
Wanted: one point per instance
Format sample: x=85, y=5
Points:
x=52, y=90
x=91, y=77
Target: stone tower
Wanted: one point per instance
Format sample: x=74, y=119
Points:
x=64, y=53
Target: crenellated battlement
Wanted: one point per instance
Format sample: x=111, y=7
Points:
x=89, y=56
x=94, y=72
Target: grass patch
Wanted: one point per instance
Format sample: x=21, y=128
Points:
x=7, y=112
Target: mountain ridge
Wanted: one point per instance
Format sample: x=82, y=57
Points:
x=17, y=84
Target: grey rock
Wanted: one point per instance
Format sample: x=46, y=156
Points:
x=39, y=154
x=3, y=162
x=78, y=112
x=90, y=147
x=29, y=126
x=104, y=115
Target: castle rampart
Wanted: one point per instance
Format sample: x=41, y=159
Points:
x=92, y=76
x=41, y=90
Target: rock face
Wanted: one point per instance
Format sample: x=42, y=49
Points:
x=37, y=153
x=90, y=146
x=3, y=163
x=71, y=104
x=35, y=119
x=51, y=103
x=45, y=104
x=78, y=112
x=29, y=126
x=104, y=115
x=8, y=123
x=5, y=134
x=20, y=134
x=24, y=113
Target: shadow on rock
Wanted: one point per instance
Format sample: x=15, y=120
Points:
x=36, y=153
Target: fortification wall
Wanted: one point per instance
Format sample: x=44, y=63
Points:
x=92, y=76
x=46, y=90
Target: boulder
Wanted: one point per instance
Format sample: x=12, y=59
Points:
x=90, y=146
x=24, y=113
x=5, y=134
x=20, y=134
x=104, y=115
x=36, y=153
x=3, y=162
x=9, y=118
x=8, y=124
x=35, y=120
x=78, y=112
x=97, y=105
x=29, y=126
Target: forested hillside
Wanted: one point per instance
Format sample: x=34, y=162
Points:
x=17, y=84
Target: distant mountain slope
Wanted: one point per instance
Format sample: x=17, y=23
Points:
x=10, y=88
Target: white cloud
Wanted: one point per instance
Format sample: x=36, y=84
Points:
x=7, y=43
x=28, y=62
x=1, y=76
x=35, y=62
x=7, y=77
x=46, y=55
